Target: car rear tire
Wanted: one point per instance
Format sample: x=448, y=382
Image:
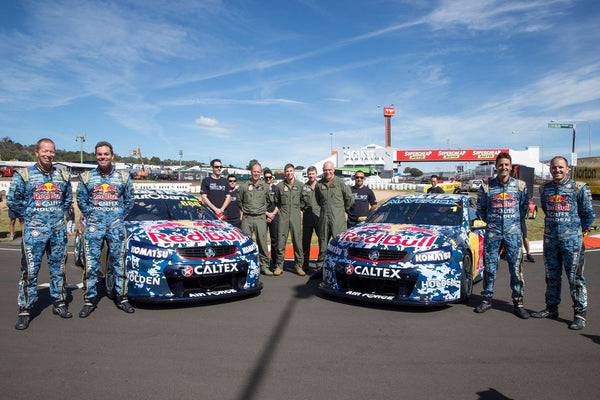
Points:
x=466, y=278
x=78, y=253
x=106, y=273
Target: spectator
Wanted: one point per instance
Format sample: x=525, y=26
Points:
x=364, y=200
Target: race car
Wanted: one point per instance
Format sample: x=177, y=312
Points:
x=176, y=249
x=414, y=249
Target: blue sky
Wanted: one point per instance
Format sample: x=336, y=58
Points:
x=272, y=79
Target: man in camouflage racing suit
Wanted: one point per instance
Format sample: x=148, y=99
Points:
x=104, y=197
x=502, y=204
x=569, y=216
x=40, y=194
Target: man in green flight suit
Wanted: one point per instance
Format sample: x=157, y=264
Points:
x=288, y=203
x=310, y=215
x=334, y=198
x=254, y=198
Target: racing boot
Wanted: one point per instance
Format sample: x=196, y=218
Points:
x=266, y=271
x=485, y=305
x=520, y=311
x=530, y=258
x=579, y=321
x=22, y=319
x=88, y=307
x=60, y=308
x=548, y=312
x=123, y=304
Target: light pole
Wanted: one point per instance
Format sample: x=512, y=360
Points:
x=82, y=139
x=331, y=137
x=180, y=157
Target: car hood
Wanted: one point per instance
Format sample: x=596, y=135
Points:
x=397, y=236
x=186, y=233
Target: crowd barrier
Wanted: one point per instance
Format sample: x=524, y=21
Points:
x=381, y=184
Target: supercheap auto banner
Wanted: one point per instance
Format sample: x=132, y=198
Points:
x=449, y=155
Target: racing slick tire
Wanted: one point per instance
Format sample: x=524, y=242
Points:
x=466, y=278
x=78, y=253
x=106, y=273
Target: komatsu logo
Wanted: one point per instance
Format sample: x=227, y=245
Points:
x=433, y=256
x=148, y=252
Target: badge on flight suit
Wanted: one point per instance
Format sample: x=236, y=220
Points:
x=285, y=189
x=250, y=188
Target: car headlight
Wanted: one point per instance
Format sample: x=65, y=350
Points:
x=433, y=256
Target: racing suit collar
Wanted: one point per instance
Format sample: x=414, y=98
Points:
x=563, y=180
x=43, y=170
x=105, y=174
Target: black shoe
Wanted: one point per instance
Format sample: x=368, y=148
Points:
x=123, y=304
x=579, y=322
x=483, y=307
x=317, y=275
x=87, y=308
x=22, y=319
x=549, y=312
x=60, y=308
x=521, y=312
x=530, y=258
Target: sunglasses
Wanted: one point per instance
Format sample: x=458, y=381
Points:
x=359, y=177
x=268, y=177
x=217, y=166
x=232, y=180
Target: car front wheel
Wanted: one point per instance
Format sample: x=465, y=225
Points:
x=466, y=279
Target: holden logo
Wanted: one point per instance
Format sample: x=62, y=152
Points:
x=188, y=271
x=209, y=252
x=373, y=255
x=349, y=269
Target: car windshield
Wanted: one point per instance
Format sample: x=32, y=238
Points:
x=410, y=211
x=169, y=208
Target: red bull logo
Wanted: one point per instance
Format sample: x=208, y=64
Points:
x=556, y=202
x=557, y=198
x=389, y=239
x=504, y=197
x=105, y=192
x=47, y=191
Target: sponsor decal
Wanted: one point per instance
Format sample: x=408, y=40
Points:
x=105, y=192
x=389, y=239
x=47, y=191
x=214, y=269
x=214, y=293
x=140, y=250
x=196, y=236
x=144, y=280
x=434, y=257
x=369, y=295
x=335, y=250
x=252, y=247
x=440, y=283
x=377, y=272
x=158, y=196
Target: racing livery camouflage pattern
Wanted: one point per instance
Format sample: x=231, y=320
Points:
x=422, y=265
x=103, y=201
x=503, y=208
x=569, y=212
x=187, y=260
x=41, y=199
